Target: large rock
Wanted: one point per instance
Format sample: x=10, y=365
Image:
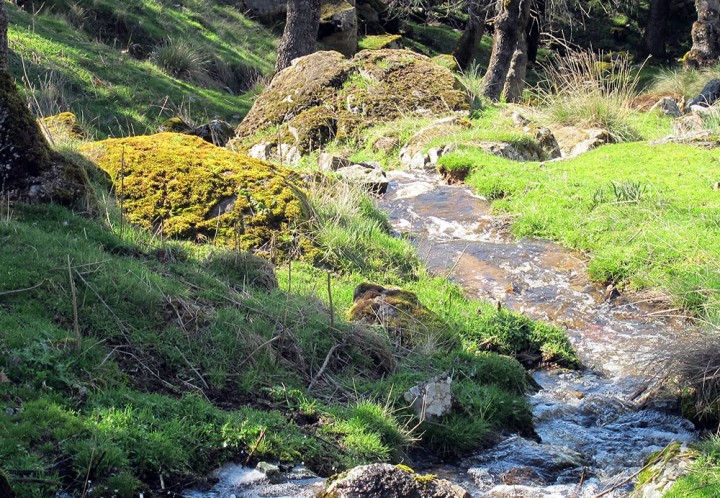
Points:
x=324, y=96
x=667, y=106
x=382, y=480
x=181, y=186
x=401, y=313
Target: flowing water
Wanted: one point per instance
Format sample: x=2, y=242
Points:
x=594, y=436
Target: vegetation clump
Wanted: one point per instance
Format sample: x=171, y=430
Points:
x=183, y=187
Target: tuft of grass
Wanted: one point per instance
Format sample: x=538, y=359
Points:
x=585, y=89
x=181, y=59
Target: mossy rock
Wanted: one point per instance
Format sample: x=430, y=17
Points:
x=314, y=128
x=379, y=42
x=63, y=126
x=447, y=61
x=31, y=170
x=174, y=125
x=183, y=187
x=375, y=86
x=311, y=81
x=401, y=313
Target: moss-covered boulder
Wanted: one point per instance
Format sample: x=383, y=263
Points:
x=324, y=94
x=29, y=168
x=402, y=315
x=181, y=186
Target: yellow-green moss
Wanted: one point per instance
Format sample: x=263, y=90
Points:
x=174, y=125
x=378, y=42
x=184, y=187
x=63, y=126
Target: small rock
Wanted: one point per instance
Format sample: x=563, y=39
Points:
x=215, y=132
x=708, y=96
x=329, y=162
x=431, y=399
x=716, y=186
x=688, y=125
x=373, y=179
x=261, y=151
x=668, y=107
x=289, y=154
x=522, y=476
x=271, y=471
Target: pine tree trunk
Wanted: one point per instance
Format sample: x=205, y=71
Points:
x=705, y=34
x=301, y=31
x=656, y=28
x=473, y=33
x=515, y=83
x=507, y=34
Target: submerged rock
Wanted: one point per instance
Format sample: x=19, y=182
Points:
x=181, y=186
x=382, y=480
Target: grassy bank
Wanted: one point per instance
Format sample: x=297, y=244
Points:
x=124, y=67
x=128, y=360
x=645, y=214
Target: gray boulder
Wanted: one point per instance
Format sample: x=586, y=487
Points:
x=382, y=480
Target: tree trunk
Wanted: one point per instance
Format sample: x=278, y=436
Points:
x=29, y=168
x=301, y=31
x=537, y=15
x=656, y=28
x=507, y=33
x=473, y=33
x=515, y=83
x=705, y=34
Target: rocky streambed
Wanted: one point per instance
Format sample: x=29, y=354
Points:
x=594, y=426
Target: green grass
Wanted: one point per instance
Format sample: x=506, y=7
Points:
x=647, y=215
x=99, y=66
x=703, y=480
x=128, y=356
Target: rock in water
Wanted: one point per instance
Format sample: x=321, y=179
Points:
x=382, y=480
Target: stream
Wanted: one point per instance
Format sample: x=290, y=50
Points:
x=594, y=436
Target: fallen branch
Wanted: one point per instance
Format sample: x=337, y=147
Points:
x=324, y=366
x=255, y=446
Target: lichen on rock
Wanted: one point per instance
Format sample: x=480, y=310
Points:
x=184, y=187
